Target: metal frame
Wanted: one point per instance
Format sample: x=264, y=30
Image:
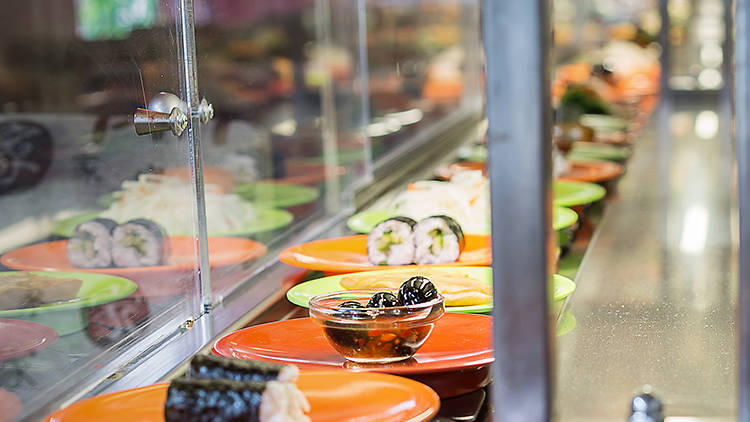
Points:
x=742, y=122
x=516, y=41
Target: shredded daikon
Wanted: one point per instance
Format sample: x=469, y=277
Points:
x=465, y=198
x=169, y=202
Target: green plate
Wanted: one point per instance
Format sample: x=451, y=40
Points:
x=563, y=218
x=586, y=151
x=472, y=153
x=69, y=317
x=603, y=122
x=96, y=289
x=566, y=324
x=268, y=219
x=570, y=194
x=364, y=221
x=344, y=157
x=302, y=293
x=276, y=195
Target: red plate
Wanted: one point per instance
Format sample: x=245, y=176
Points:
x=333, y=396
x=349, y=254
x=10, y=405
x=162, y=280
x=21, y=338
x=454, y=360
x=592, y=171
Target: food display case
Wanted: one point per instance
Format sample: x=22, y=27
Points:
x=209, y=136
x=462, y=209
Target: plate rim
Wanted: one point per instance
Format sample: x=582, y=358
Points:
x=567, y=285
x=608, y=170
x=401, y=371
x=128, y=287
x=593, y=191
x=288, y=256
x=51, y=335
x=262, y=249
x=311, y=193
x=431, y=409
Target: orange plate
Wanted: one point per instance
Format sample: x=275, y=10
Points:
x=161, y=280
x=349, y=254
x=459, y=341
x=592, y=171
x=333, y=396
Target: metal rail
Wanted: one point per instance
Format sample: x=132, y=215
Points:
x=742, y=122
x=516, y=41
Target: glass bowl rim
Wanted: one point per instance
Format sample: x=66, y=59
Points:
x=317, y=307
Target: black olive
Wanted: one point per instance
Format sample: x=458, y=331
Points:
x=351, y=310
x=383, y=300
x=416, y=290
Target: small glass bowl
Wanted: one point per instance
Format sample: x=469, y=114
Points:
x=374, y=335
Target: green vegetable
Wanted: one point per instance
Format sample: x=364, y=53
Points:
x=388, y=239
x=578, y=100
x=437, y=240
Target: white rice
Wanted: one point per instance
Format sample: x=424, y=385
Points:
x=426, y=252
x=396, y=254
x=128, y=256
x=288, y=373
x=78, y=249
x=283, y=402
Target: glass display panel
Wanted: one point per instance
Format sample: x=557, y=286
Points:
x=424, y=67
x=101, y=212
x=286, y=139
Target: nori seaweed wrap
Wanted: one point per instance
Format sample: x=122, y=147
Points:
x=209, y=366
x=214, y=400
x=221, y=400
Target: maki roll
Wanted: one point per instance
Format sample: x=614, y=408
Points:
x=209, y=366
x=391, y=242
x=91, y=244
x=139, y=243
x=438, y=239
x=220, y=400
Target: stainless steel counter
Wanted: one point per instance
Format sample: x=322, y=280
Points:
x=657, y=290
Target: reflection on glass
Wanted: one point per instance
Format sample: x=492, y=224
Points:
x=84, y=201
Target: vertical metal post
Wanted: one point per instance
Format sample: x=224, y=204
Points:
x=332, y=196
x=189, y=85
x=742, y=122
x=516, y=40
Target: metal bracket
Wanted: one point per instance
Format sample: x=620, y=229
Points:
x=148, y=121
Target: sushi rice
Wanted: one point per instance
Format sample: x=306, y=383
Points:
x=91, y=244
x=391, y=242
x=438, y=240
x=139, y=243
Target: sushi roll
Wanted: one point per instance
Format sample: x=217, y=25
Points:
x=209, y=366
x=219, y=400
x=438, y=239
x=90, y=246
x=391, y=242
x=139, y=243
